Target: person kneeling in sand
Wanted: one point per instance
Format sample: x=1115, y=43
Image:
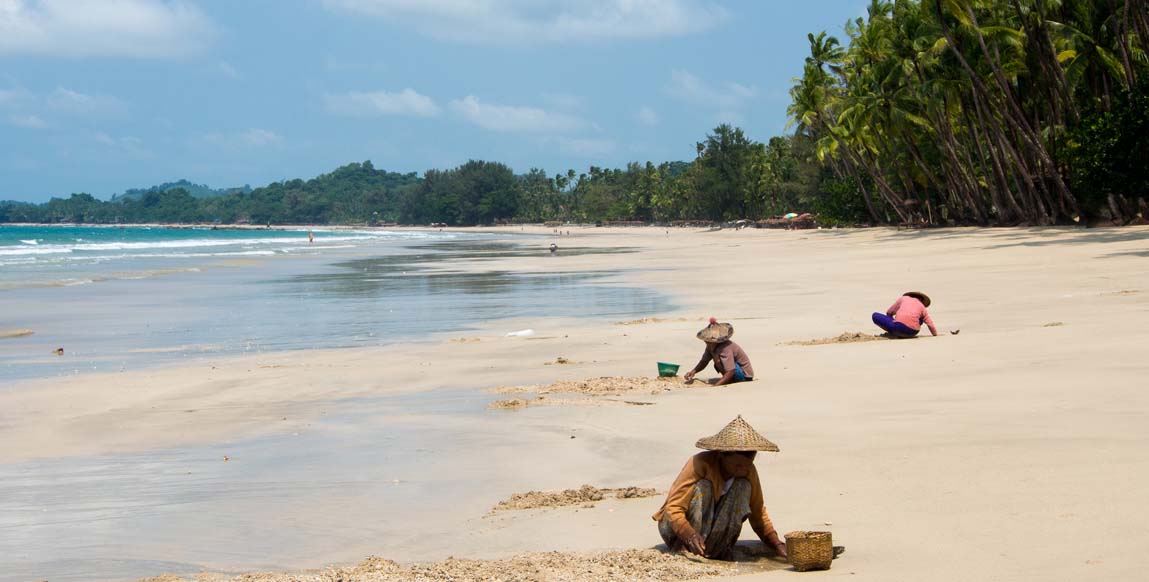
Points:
x=716, y=491
x=905, y=317
x=729, y=358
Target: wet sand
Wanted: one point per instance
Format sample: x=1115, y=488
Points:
x=1012, y=451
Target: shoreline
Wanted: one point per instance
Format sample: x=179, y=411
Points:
x=976, y=414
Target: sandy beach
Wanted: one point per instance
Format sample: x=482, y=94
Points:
x=1011, y=451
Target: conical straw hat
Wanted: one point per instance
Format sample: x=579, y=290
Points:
x=737, y=436
x=715, y=333
x=925, y=299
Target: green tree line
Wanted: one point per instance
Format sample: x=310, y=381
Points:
x=732, y=177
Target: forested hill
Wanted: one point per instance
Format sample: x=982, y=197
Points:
x=196, y=190
x=352, y=194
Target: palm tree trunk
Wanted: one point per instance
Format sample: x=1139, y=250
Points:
x=1012, y=111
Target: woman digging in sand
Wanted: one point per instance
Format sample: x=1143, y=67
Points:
x=715, y=492
x=905, y=317
x=729, y=358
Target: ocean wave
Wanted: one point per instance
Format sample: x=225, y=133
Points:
x=45, y=250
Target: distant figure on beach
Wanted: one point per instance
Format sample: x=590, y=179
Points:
x=716, y=491
x=729, y=358
x=310, y=237
x=554, y=248
x=905, y=317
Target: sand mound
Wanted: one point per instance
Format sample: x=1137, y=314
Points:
x=587, y=494
x=647, y=565
x=509, y=404
x=7, y=333
x=1053, y=324
x=844, y=338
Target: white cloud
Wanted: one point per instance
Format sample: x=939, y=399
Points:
x=14, y=97
x=510, y=118
x=512, y=21
x=27, y=121
x=407, y=102
x=103, y=28
x=647, y=116
x=82, y=104
x=727, y=97
x=132, y=147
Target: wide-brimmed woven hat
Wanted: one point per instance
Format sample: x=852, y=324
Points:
x=737, y=436
x=715, y=332
x=925, y=299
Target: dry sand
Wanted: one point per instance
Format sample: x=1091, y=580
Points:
x=1014, y=451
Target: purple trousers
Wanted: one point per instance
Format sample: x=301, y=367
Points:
x=892, y=327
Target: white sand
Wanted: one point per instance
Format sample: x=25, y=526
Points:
x=1013, y=451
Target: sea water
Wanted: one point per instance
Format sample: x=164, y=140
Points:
x=346, y=485
x=118, y=299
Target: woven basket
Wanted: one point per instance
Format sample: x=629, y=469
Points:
x=810, y=550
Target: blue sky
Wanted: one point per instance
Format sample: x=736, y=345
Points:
x=103, y=95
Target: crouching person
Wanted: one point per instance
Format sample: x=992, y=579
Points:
x=716, y=491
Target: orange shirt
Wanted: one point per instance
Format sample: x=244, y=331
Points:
x=705, y=465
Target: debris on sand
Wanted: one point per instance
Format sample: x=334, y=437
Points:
x=635, y=492
x=509, y=404
x=464, y=340
x=590, y=392
x=559, y=361
x=587, y=494
x=8, y=333
x=520, y=403
x=603, y=386
x=845, y=338
x=646, y=565
x=647, y=320
x=1053, y=324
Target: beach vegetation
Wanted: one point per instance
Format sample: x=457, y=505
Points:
x=979, y=112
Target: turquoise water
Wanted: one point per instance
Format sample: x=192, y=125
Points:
x=43, y=256
x=122, y=299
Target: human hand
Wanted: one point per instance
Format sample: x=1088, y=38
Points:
x=780, y=548
x=695, y=543
x=688, y=376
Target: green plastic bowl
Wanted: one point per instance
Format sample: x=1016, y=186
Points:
x=665, y=369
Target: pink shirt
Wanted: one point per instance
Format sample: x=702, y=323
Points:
x=910, y=312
